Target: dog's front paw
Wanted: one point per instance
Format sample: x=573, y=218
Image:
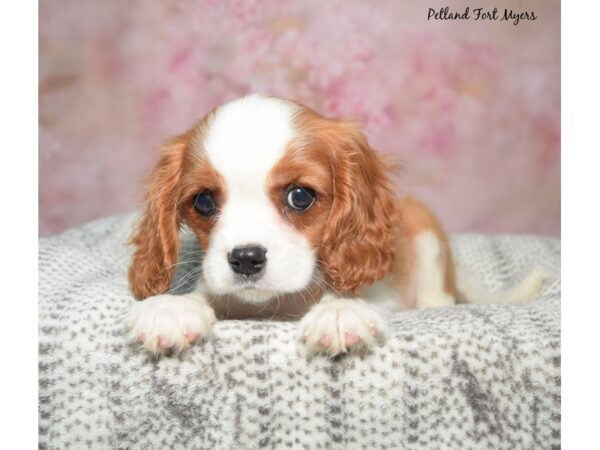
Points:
x=338, y=325
x=169, y=323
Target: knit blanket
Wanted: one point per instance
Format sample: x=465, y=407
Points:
x=465, y=377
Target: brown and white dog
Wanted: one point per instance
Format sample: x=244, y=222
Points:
x=296, y=216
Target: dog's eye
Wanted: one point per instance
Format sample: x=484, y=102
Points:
x=300, y=198
x=204, y=203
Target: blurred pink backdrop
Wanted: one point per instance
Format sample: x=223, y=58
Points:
x=472, y=109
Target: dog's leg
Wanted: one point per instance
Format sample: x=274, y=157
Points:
x=169, y=323
x=431, y=262
x=424, y=270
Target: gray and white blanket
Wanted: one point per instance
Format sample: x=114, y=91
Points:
x=466, y=377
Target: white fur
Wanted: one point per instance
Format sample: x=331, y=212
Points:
x=471, y=290
x=335, y=318
x=244, y=141
x=247, y=137
x=172, y=317
x=429, y=272
x=382, y=296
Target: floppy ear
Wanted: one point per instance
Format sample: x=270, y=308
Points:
x=358, y=242
x=157, y=235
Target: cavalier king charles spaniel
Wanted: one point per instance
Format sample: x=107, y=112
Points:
x=296, y=216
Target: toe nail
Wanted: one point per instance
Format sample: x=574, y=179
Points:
x=142, y=337
x=372, y=329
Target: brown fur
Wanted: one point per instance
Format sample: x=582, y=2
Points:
x=182, y=172
x=157, y=235
x=416, y=218
x=353, y=222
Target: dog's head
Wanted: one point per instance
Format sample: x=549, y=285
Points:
x=279, y=198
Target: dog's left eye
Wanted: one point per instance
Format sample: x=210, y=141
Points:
x=300, y=198
x=204, y=203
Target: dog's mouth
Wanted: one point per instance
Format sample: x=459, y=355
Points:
x=247, y=285
x=248, y=289
x=253, y=294
x=253, y=289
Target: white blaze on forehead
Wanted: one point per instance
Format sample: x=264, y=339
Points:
x=247, y=137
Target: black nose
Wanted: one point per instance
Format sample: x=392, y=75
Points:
x=247, y=260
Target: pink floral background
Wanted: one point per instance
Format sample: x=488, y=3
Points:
x=472, y=109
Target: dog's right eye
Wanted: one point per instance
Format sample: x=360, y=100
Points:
x=204, y=203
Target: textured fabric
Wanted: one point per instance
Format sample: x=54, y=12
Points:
x=466, y=377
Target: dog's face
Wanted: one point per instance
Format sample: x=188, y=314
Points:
x=280, y=199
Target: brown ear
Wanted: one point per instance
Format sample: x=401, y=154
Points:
x=358, y=243
x=157, y=235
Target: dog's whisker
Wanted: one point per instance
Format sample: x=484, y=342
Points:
x=186, y=278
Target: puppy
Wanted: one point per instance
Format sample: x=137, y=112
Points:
x=296, y=216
